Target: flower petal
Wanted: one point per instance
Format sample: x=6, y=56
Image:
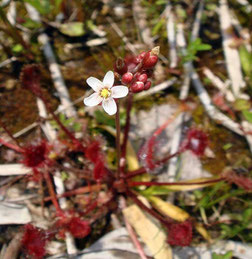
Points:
x=108, y=79
x=119, y=91
x=94, y=83
x=109, y=106
x=93, y=100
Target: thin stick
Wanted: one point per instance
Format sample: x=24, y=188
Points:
x=155, y=89
x=122, y=36
x=171, y=35
x=231, y=54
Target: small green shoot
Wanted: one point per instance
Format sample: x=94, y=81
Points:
x=248, y=115
x=193, y=48
x=227, y=255
x=227, y=146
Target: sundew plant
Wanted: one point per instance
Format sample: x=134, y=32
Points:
x=78, y=171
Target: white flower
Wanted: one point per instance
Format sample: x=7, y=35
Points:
x=105, y=92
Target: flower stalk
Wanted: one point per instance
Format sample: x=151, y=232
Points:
x=118, y=135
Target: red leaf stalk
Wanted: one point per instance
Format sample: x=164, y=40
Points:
x=142, y=170
x=126, y=129
x=11, y=146
x=53, y=194
x=165, y=221
x=134, y=184
x=150, y=145
x=240, y=180
x=81, y=190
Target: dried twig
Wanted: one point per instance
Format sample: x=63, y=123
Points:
x=121, y=35
x=244, y=33
x=214, y=113
x=171, y=35
x=12, y=13
x=197, y=21
x=155, y=89
x=14, y=247
x=231, y=54
x=13, y=169
x=219, y=84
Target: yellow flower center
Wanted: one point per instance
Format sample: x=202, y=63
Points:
x=105, y=93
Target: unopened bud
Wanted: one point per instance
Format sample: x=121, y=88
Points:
x=150, y=62
x=147, y=85
x=127, y=78
x=142, y=78
x=151, y=58
x=142, y=54
x=120, y=66
x=137, y=87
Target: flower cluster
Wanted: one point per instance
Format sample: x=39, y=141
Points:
x=135, y=71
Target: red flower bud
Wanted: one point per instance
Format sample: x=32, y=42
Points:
x=150, y=62
x=120, y=66
x=137, y=87
x=151, y=58
x=142, y=54
x=127, y=78
x=142, y=78
x=147, y=85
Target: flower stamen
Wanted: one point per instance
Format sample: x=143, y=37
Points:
x=105, y=93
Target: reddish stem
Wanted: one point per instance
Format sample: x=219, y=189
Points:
x=133, y=184
x=53, y=194
x=126, y=129
x=11, y=146
x=80, y=190
x=143, y=170
x=118, y=136
x=132, y=195
x=137, y=172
